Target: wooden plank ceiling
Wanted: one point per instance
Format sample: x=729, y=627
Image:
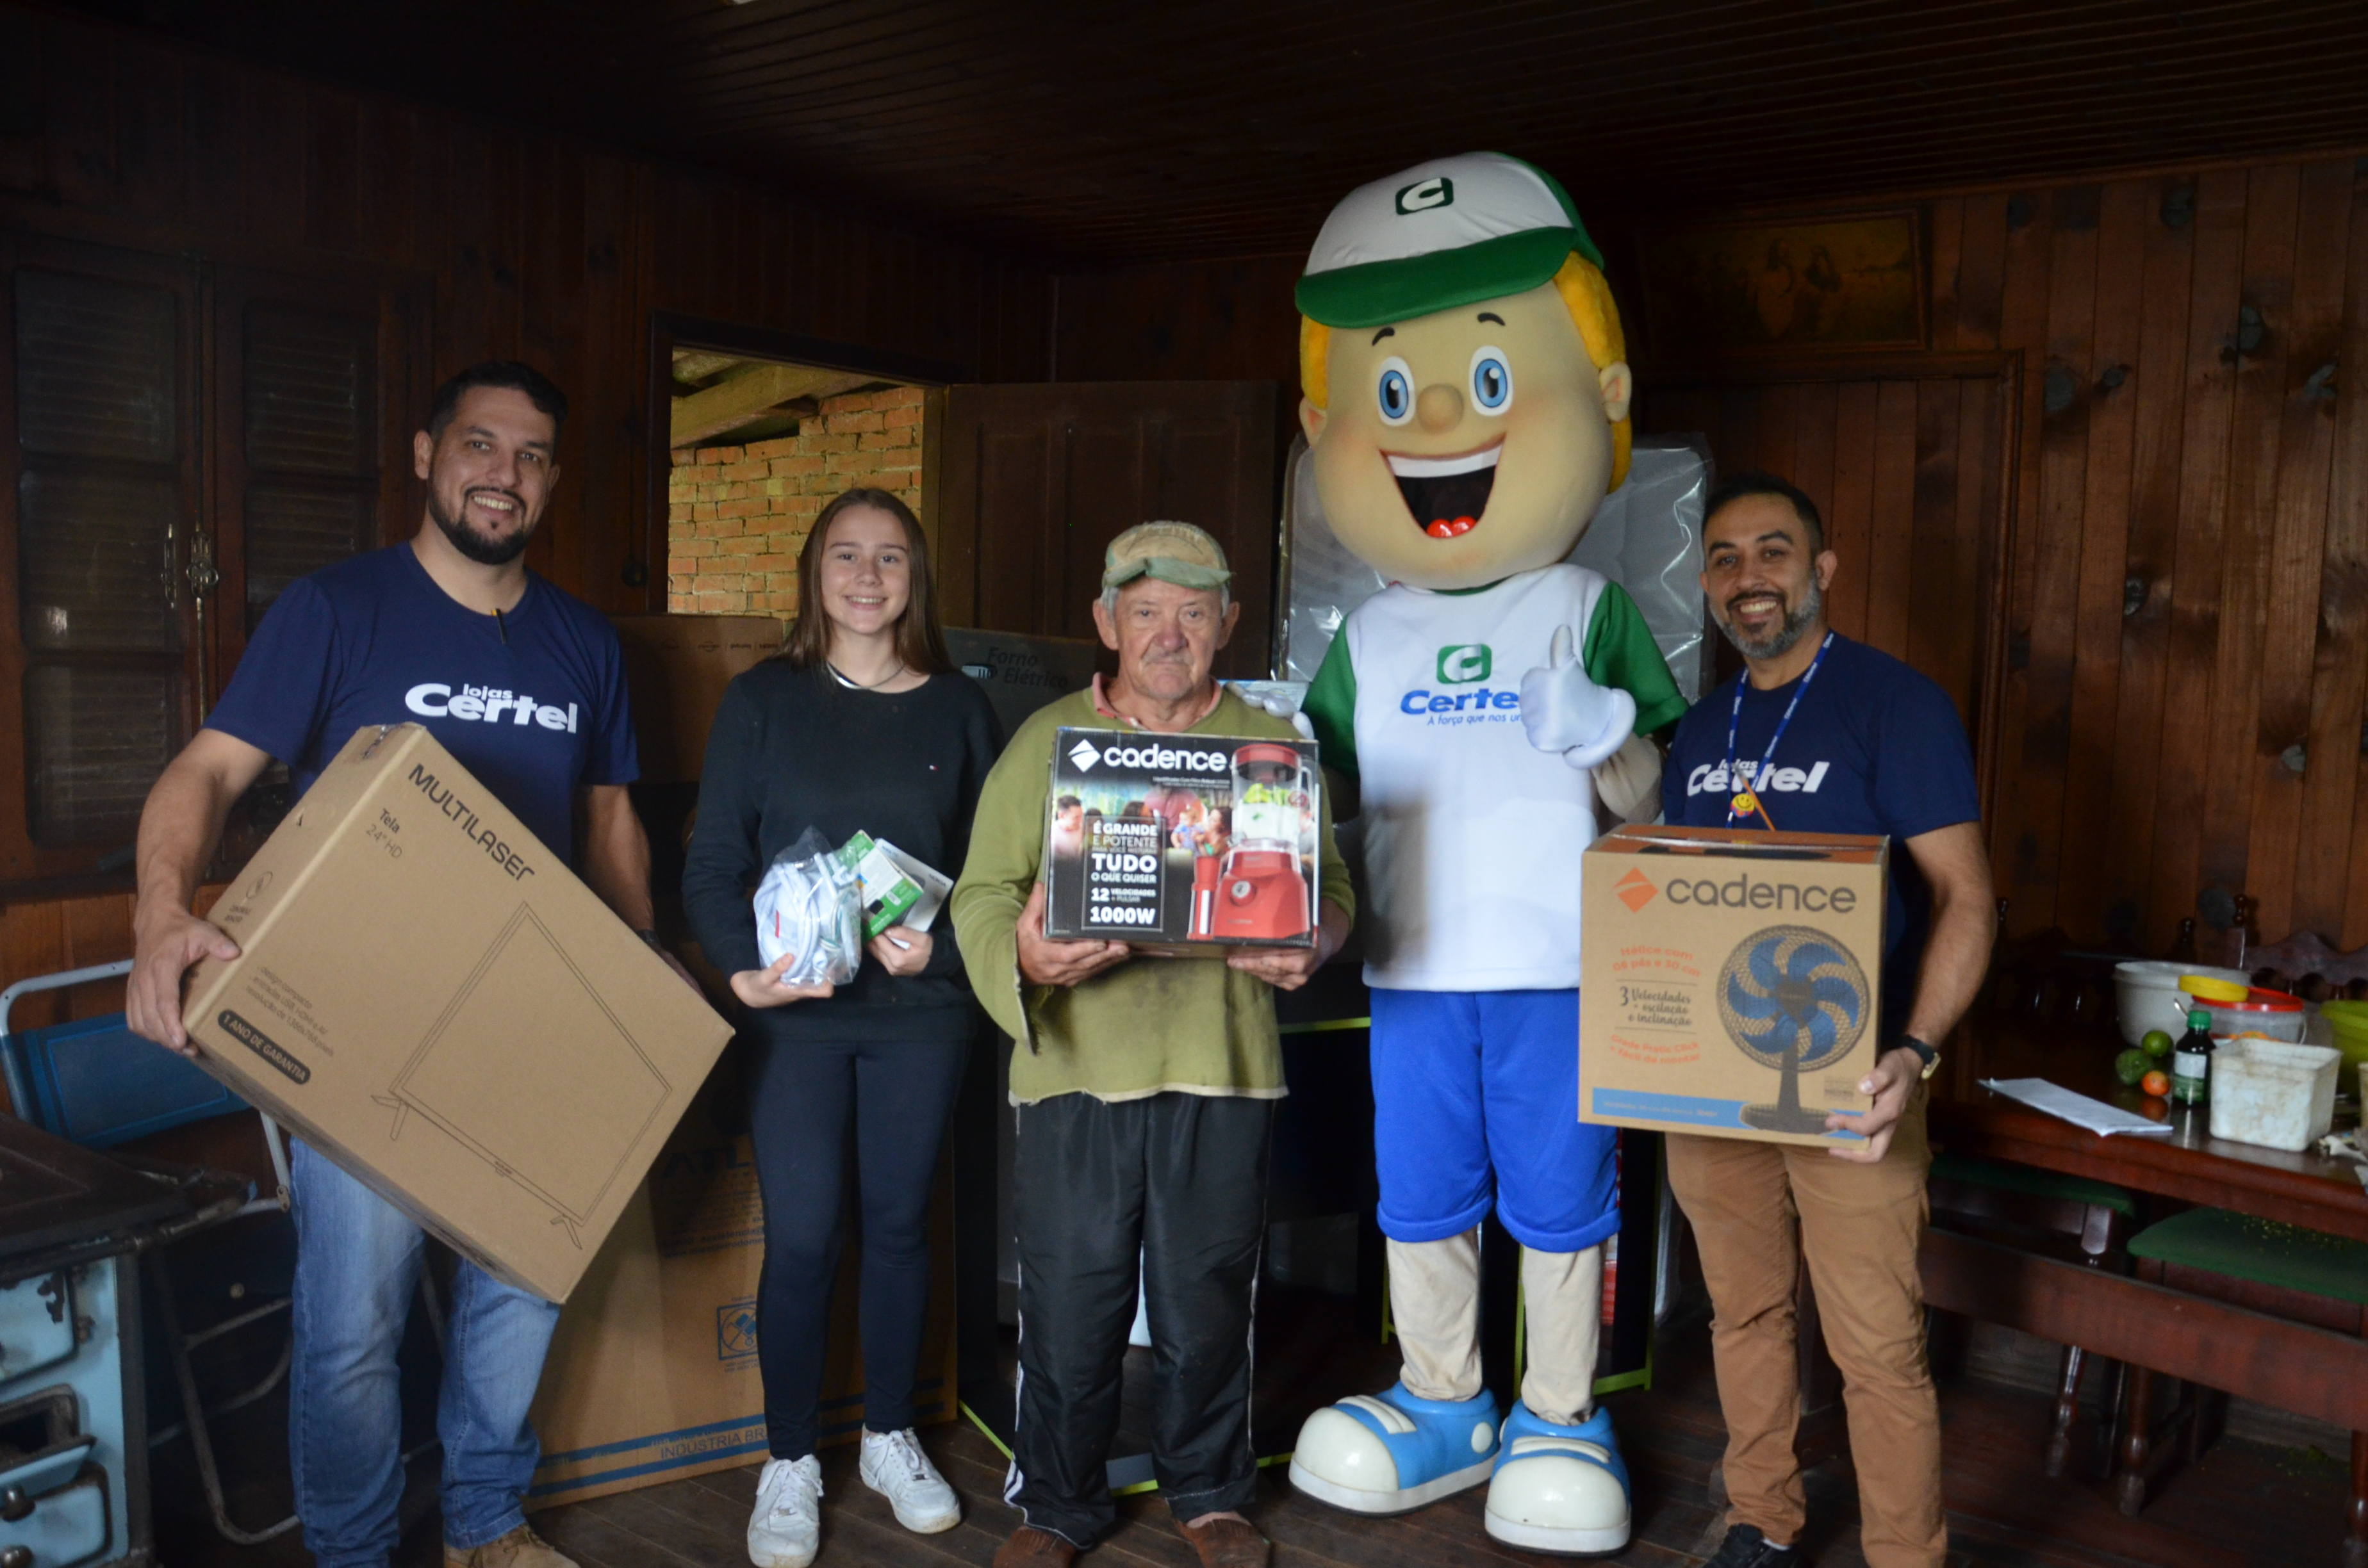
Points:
x=1082, y=132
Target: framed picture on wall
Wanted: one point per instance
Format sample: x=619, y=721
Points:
x=1851, y=280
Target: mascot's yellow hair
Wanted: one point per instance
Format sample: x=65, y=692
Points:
x=1584, y=293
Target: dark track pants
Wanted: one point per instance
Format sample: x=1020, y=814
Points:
x=805, y=1098
x=1179, y=1180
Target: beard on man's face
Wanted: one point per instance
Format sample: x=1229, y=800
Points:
x=1781, y=641
x=477, y=547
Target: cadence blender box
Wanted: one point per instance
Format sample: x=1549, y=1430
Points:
x=1731, y=980
x=1182, y=842
x=430, y=998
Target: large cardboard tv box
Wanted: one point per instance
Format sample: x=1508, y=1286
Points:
x=1731, y=982
x=429, y=997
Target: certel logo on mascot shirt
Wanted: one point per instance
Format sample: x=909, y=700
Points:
x=1461, y=664
x=1471, y=661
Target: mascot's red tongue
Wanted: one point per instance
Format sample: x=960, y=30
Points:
x=1448, y=505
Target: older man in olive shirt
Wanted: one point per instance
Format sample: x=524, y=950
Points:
x=1145, y=1094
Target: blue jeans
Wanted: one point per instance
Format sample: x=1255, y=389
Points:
x=358, y=1262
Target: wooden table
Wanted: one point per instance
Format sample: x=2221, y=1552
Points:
x=2288, y=1364
x=2191, y=1165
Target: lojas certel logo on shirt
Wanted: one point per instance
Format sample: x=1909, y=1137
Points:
x=1710, y=778
x=488, y=705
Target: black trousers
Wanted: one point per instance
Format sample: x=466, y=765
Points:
x=1179, y=1181
x=805, y=1098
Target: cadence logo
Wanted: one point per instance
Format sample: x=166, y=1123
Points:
x=1084, y=754
x=1636, y=891
x=1156, y=757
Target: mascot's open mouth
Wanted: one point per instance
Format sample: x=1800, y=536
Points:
x=1447, y=495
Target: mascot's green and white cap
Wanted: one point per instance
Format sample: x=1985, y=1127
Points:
x=1447, y=233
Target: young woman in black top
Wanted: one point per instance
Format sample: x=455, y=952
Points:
x=862, y=724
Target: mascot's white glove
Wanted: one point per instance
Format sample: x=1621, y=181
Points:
x=1281, y=706
x=1565, y=712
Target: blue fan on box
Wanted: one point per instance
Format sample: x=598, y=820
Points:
x=1795, y=1002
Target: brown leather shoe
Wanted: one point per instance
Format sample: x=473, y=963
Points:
x=1228, y=1543
x=519, y=1548
x=1031, y=1548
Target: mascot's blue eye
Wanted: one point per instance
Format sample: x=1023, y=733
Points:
x=1492, y=381
x=1395, y=391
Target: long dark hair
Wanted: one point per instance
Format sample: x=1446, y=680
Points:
x=920, y=640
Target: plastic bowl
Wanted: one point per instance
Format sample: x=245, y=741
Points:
x=2273, y=1015
x=2147, y=996
x=2350, y=1022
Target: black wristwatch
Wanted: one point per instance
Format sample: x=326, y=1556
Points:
x=1924, y=1053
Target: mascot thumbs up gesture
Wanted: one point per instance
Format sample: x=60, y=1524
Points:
x=1466, y=412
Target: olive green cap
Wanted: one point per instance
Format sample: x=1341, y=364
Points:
x=1173, y=552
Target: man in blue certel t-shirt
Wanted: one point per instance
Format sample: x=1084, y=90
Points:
x=1823, y=735
x=524, y=686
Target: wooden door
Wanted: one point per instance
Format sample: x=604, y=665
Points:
x=1035, y=481
x=1908, y=459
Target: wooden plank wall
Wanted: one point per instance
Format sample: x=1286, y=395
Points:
x=1907, y=465
x=2188, y=650
x=532, y=247
x=2189, y=591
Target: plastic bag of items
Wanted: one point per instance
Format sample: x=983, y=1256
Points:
x=811, y=905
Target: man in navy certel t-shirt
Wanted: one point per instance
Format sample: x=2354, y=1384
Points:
x=1823, y=735
x=524, y=686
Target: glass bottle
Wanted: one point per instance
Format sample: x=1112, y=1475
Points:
x=2191, y=1060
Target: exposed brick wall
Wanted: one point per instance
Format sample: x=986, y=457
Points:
x=736, y=516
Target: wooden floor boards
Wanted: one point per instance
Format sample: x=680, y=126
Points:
x=2246, y=1506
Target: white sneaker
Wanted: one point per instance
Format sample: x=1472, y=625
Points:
x=785, y=1531
x=894, y=1465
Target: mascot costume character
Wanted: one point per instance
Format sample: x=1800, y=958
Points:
x=1466, y=412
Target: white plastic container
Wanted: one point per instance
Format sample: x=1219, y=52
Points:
x=2280, y=1096
x=2148, y=996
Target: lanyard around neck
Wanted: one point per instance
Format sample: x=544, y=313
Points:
x=1745, y=801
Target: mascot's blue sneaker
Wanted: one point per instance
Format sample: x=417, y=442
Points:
x=1560, y=1489
x=1390, y=1452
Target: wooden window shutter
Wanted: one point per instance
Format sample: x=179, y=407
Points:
x=103, y=507
x=312, y=444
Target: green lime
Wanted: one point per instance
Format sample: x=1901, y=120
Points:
x=2130, y=1066
x=2157, y=1044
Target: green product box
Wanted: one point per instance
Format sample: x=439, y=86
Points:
x=897, y=888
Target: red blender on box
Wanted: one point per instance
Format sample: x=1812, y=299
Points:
x=1256, y=893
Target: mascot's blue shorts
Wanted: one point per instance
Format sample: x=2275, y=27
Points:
x=1475, y=1100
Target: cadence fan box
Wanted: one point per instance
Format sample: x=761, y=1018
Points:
x=1182, y=843
x=429, y=997
x=1731, y=980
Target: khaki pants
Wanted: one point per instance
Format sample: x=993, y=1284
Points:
x=1757, y=1210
